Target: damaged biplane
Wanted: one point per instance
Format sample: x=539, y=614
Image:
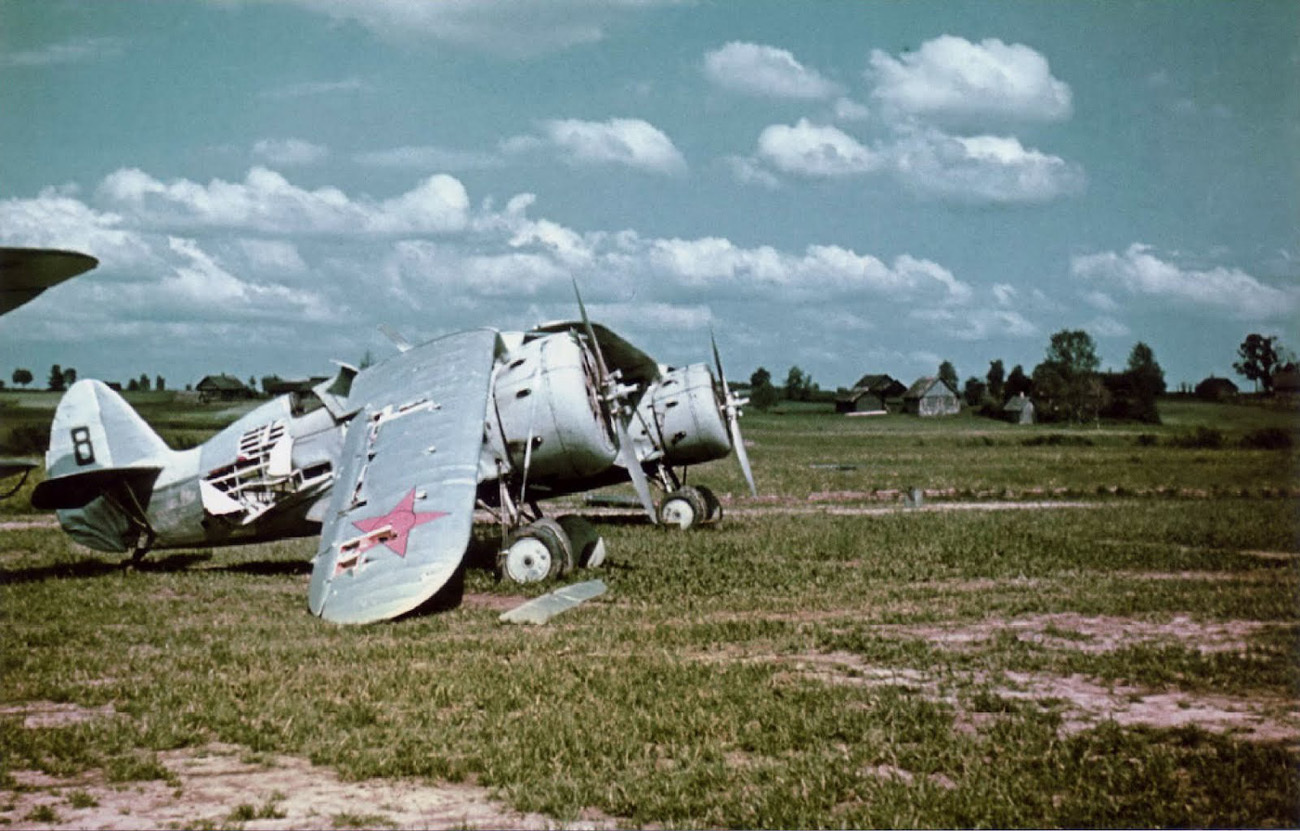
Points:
x=390, y=463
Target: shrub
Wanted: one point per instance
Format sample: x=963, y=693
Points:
x=1268, y=438
x=1203, y=438
x=1057, y=440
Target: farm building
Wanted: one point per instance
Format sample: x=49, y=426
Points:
x=871, y=394
x=1216, y=389
x=222, y=388
x=275, y=385
x=931, y=396
x=1286, y=382
x=1019, y=409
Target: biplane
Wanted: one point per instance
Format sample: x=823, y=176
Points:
x=389, y=464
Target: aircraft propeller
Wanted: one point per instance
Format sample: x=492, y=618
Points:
x=732, y=404
x=612, y=392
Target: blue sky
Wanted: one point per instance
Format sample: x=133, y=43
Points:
x=849, y=187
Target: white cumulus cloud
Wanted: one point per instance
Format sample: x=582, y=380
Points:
x=626, y=142
x=515, y=28
x=754, y=69
x=290, y=152
x=265, y=201
x=808, y=149
x=1141, y=273
x=982, y=169
x=951, y=80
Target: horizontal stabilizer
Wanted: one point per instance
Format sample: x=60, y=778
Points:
x=76, y=490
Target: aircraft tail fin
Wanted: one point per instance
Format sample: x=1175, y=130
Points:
x=96, y=441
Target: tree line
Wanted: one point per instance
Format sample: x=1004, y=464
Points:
x=60, y=379
x=1066, y=386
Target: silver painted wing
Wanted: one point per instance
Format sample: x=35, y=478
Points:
x=402, y=509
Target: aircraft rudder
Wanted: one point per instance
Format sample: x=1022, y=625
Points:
x=95, y=428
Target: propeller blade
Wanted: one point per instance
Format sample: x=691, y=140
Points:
x=717, y=361
x=626, y=450
x=733, y=420
x=742, y=455
x=627, y=453
x=591, y=336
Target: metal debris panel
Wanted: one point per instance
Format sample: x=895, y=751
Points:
x=541, y=609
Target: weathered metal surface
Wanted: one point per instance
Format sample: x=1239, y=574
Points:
x=402, y=507
x=541, y=609
x=26, y=272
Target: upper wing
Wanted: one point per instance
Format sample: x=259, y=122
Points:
x=402, y=509
x=26, y=272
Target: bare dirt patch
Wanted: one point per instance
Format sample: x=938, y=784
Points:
x=54, y=714
x=28, y=523
x=494, y=602
x=1084, y=703
x=223, y=786
x=1092, y=634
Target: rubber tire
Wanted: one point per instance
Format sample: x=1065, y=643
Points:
x=586, y=542
x=683, y=509
x=555, y=544
x=712, y=506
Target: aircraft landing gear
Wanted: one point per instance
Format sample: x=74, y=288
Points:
x=689, y=507
x=550, y=548
x=538, y=551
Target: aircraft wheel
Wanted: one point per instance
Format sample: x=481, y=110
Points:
x=713, y=508
x=586, y=542
x=683, y=508
x=536, y=552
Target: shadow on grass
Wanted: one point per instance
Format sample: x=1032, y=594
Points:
x=268, y=568
x=92, y=568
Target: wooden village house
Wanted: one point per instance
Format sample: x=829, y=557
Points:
x=1019, y=409
x=222, y=388
x=931, y=396
x=871, y=394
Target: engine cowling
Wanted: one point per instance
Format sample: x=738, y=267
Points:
x=547, y=387
x=680, y=416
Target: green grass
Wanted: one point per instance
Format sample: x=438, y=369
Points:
x=726, y=679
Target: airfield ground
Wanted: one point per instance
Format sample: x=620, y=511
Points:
x=1078, y=627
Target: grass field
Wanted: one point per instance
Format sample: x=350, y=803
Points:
x=1081, y=627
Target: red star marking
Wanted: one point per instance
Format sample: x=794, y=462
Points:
x=401, y=519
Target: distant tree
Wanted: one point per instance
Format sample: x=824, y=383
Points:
x=69, y=376
x=1146, y=372
x=1066, y=383
x=1074, y=351
x=948, y=374
x=160, y=383
x=252, y=384
x=996, y=378
x=22, y=377
x=975, y=392
x=798, y=386
x=55, y=384
x=133, y=385
x=1259, y=356
x=1018, y=383
x=761, y=392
